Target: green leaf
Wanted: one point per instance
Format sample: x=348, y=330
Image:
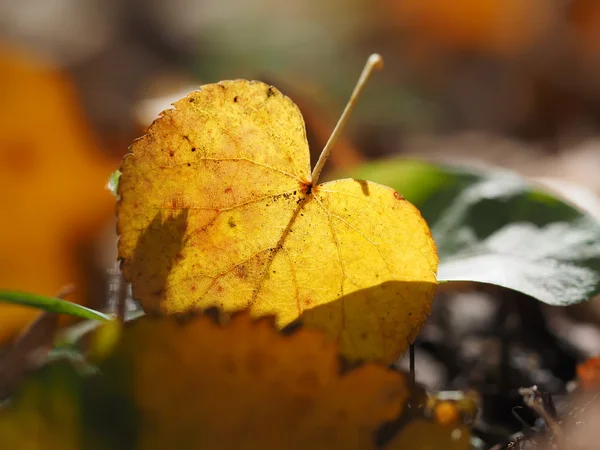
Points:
x=494, y=227
x=51, y=304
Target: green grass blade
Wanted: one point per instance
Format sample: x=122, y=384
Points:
x=51, y=304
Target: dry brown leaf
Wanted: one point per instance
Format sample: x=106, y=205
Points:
x=189, y=383
x=210, y=382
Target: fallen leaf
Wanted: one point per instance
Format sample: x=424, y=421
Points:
x=190, y=383
x=217, y=208
x=52, y=177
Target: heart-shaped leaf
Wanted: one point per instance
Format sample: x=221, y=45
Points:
x=218, y=207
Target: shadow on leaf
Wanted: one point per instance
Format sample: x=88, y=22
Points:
x=373, y=323
x=164, y=240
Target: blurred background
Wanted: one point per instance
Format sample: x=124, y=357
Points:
x=510, y=83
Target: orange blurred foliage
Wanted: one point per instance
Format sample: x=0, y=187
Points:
x=584, y=18
x=188, y=382
x=52, y=184
x=588, y=374
x=503, y=27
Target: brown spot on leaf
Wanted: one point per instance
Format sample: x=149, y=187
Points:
x=240, y=272
x=398, y=196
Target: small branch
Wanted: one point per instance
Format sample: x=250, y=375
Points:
x=534, y=400
x=375, y=61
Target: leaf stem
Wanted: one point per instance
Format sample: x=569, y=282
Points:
x=375, y=61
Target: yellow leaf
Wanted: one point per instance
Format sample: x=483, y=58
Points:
x=193, y=382
x=254, y=389
x=167, y=385
x=218, y=208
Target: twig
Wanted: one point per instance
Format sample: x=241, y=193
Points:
x=533, y=399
